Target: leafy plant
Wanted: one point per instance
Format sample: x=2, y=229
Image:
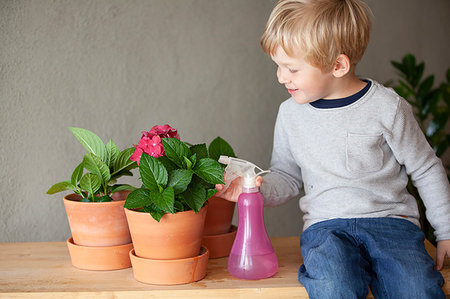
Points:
x=105, y=163
x=432, y=109
x=180, y=177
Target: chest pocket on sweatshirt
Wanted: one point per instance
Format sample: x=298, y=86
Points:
x=364, y=153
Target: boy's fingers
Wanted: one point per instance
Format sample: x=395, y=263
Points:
x=442, y=251
x=440, y=261
x=259, y=180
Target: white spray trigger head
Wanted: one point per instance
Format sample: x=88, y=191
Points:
x=224, y=160
x=238, y=167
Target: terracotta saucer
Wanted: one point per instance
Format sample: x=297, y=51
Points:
x=170, y=272
x=220, y=245
x=99, y=258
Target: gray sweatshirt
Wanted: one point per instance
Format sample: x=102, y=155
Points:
x=353, y=162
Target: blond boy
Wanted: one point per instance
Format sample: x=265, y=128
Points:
x=351, y=144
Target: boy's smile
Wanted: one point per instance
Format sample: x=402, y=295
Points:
x=292, y=91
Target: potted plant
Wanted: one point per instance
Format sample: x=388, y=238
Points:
x=166, y=215
x=432, y=110
x=95, y=210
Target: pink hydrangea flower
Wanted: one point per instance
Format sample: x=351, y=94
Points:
x=136, y=156
x=165, y=131
x=151, y=144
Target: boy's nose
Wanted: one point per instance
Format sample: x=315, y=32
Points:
x=282, y=78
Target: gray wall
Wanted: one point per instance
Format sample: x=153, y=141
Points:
x=120, y=67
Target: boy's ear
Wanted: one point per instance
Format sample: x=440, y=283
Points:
x=341, y=66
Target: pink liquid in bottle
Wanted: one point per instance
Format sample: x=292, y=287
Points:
x=252, y=255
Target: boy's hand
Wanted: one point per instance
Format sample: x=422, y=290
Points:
x=443, y=249
x=235, y=188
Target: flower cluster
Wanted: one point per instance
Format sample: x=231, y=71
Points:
x=150, y=142
x=176, y=176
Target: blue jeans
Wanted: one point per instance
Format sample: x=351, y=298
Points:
x=344, y=257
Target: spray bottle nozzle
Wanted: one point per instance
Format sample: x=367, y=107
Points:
x=224, y=160
x=240, y=168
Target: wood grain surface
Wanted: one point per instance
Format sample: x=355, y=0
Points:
x=44, y=270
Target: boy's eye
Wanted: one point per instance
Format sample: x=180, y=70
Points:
x=292, y=71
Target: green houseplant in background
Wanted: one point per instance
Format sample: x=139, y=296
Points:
x=432, y=110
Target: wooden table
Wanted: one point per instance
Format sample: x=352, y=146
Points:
x=44, y=270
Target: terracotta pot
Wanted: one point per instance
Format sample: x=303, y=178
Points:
x=219, y=216
x=220, y=245
x=99, y=258
x=170, y=272
x=98, y=223
x=176, y=236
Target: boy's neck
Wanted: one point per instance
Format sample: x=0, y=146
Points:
x=346, y=86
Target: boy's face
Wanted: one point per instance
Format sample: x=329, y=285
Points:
x=303, y=81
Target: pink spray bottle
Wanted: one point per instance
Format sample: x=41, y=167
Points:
x=252, y=255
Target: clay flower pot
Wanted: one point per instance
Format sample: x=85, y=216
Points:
x=176, y=236
x=98, y=223
x=218, y=235
x=220, y=245
x=219, y=216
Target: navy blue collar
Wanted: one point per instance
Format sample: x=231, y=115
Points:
x=342, y=102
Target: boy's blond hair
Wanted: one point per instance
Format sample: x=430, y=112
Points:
x=320, y=29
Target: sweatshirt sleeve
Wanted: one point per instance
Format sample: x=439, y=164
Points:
x=285, y=180
x=412, y=150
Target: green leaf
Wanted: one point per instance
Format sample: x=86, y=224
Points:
x=195, y=196
x=193, y=159
x=408, y=89
x=187, y=163
x=120, y=174
x=219, y=147
x=399, y=67
x=209, y=170
x=96, y=166
x=431, y=100
x=156, y=213
x=162, y=201
x=84, y=199
x=179, y=180
x=122, y=187
x=169, y=199
x=210, y=193
x=179, y=207
x=200, y=150
x=77, y=174
x=139, y=198
x=409, y=61
x=112, y=152
x=61, y=186
x=175, y=150
x=91, y=142
x=153, y=173
x=104, y=198
x=425, y=86
x=418, y=73
x=169, y=165
x=123, y=161
x=91, y=183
